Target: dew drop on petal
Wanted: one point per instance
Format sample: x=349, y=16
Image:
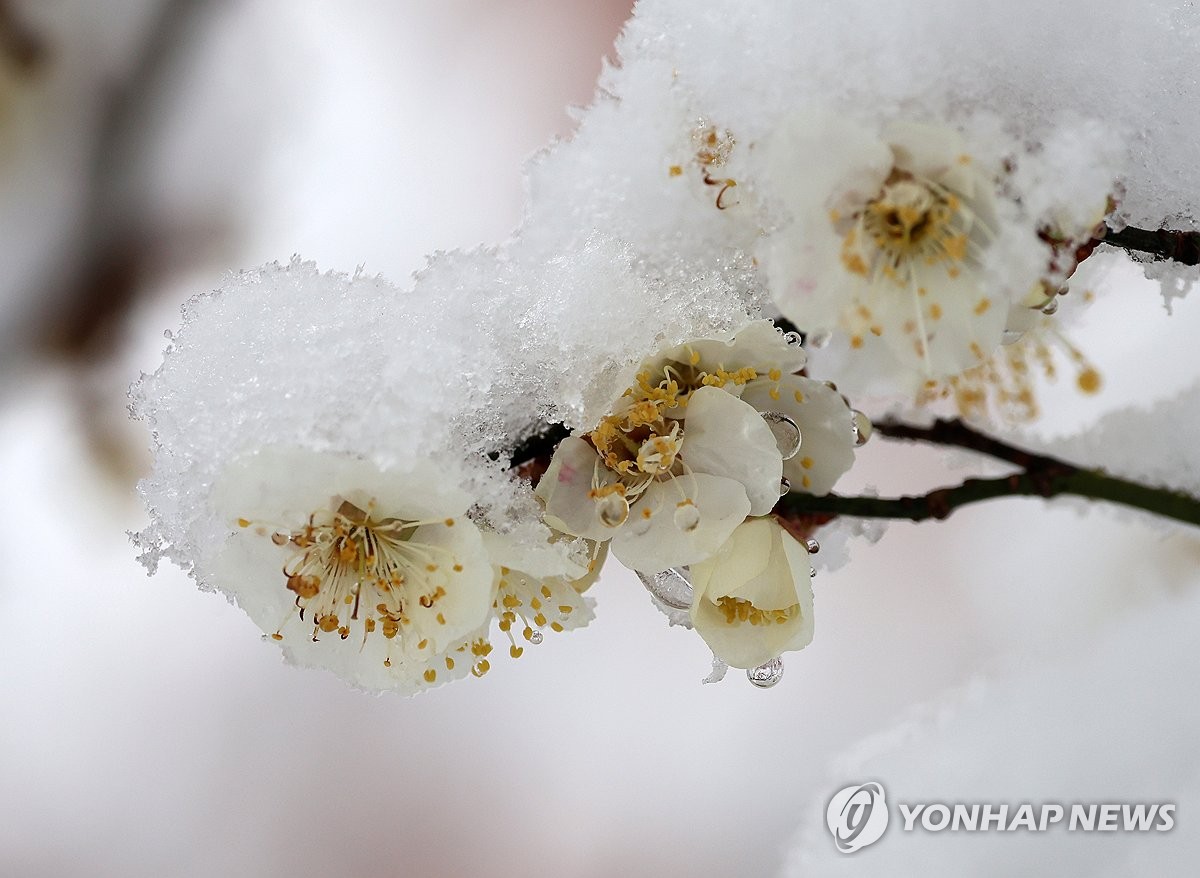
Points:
x=793, y=338
x=687, y=517
x=672, y=586
x=786, y=432
x=1050, y=307
x=1011, y=336
x=784, y=486
x=862, y=428
x=812, y=545
x=614, y=509
x=830, y=385
x=536, y=637
x=767, y=675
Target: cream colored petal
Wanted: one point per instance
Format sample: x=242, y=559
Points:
x=826, y=429
x=930, y=151
x=819, y=161
x=805, y=275
x=538, y=559
x=726, y=437
x=759, y=344
x=652, y=540
x=782, y=582
x=467, y=603
x=566, y=489
x=284, y=486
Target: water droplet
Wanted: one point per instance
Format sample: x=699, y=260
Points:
x=812, y=545
x=786, y=432
x=818, y=340
x=812, y=572
x=862, y=429
x=830, y=385
x=536, y=637
x=1050, y=307
x=614, y=509
x=1011, y=336
x=672, y=586
x=767, y=675
x=687, y=516
x=793, y=338
x=167, y=334
x=784, y=486
x=640, y=523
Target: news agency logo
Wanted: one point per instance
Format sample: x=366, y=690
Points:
x=857, y=816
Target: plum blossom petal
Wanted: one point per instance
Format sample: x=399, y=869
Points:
x=729, y=438
x=753, y=600
x=656, y=537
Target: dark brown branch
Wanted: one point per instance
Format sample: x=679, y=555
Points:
x=1176, y=246
x=1041, y=476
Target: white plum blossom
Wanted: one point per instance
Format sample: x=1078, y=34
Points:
x=680, y=461
x=377, y=575
x=826, y=424
x=883, y=237
x=536, y=593
x=753, y=600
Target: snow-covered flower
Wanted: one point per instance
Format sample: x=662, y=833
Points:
x=753, y=600
x=375, y=574
x=883, y=237
x=680, y=461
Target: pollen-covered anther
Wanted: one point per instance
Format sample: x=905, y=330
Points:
x=736, y=611
x=353, y=569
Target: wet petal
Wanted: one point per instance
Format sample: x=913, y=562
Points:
x=651, y=540
x=762, y=564
x=566, y=489
x=726, y=437
x=826, y=430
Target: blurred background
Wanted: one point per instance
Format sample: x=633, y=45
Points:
x=1020, y=651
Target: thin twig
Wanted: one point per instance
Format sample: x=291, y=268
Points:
x=1041, y=476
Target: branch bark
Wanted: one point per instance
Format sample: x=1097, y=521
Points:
x=1176, y=246
x=1040, y=476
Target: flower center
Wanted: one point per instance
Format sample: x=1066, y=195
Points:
x=351, y=569
x=737, y=610
x=911, y=222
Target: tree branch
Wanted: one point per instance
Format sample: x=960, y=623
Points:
x=1176, y=246
x=1041, y=476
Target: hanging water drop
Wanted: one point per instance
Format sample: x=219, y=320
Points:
x=812, y=545
x=672, y=586
x=766, y=675
x=1051, y=307
x=862, y=428
x=830, y=385
x=786, y=432
x=536, y=637
x=784, y=486
x=793, y=338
